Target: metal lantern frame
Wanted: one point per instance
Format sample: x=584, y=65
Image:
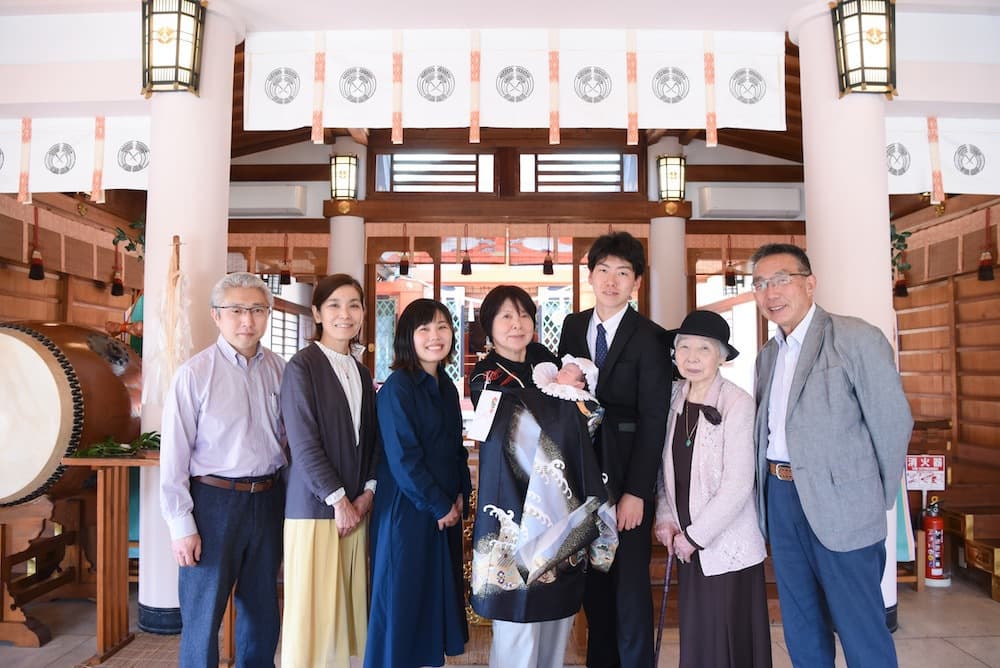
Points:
x=864, y=36
x=172, y=42
x=344, y=177
x=671, y=178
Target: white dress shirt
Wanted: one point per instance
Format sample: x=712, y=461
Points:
x=610, y=327
x=789, y=348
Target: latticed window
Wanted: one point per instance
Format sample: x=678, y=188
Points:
x=579, y=172
x=553, y=307
x=434, y=172
x=385, y=328
x=454, y=304
x=284, y=334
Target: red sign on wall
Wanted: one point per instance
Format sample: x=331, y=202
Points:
x=925, y=472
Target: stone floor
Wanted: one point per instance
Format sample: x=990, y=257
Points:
x=957, y=627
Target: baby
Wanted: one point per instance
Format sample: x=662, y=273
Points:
x=575, y=381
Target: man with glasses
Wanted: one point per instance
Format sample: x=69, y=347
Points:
x=832, y=431
x=220, y=491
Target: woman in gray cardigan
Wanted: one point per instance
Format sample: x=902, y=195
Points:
x=328, y=405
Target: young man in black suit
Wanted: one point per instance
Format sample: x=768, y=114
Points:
x=634, y=387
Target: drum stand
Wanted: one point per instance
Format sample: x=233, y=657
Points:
x=19, y=525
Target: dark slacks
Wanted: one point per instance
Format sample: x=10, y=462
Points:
x=822, y=591
x=241, y=543
x=619, y=603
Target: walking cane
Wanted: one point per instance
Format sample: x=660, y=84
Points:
x=663, y=610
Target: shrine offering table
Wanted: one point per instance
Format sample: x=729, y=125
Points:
x=112, y=548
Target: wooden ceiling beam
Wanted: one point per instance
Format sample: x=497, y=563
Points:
x=268, y=172
x=688, y=135
x=555, y=209
x=734, y=227
x=360, y=135
x=744, y=173
x=279, y=226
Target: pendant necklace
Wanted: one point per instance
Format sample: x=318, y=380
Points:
x=690, y=431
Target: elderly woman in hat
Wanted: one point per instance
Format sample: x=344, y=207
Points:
x=705, y=509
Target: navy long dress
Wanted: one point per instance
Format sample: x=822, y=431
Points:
x=417, y=608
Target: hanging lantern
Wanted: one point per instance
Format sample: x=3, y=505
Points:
x=172, y=32
x=286, y=267
x=864, y=35
x=670, y=176
x=986, y=257
x=344, y=177
x=404, y=263
x=117, y=287
x=466, y=260
x=36, y=269
x=548, y=267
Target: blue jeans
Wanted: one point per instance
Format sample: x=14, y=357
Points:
x=822, y=591
x=241, y=543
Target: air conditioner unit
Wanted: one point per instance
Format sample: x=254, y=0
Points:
x=750, y=202
x=260, y=200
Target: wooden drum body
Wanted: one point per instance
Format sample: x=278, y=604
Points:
x=62, y=387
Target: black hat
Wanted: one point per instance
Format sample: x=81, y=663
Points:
x=708, y=324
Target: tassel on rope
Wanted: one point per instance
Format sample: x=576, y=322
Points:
x=466, y=260
x=548, y=268
x=286, y=267
x=117, y=286
x=986, y=257
x=36, y=268
x=404, y=263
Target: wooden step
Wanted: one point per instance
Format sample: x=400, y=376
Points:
x=972, y=522
x=984, y=555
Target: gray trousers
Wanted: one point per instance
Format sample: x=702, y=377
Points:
x=534, y=645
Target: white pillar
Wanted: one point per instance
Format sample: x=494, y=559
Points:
x=847, y=201
x=346, y=254
x=667, y=274
x=188, y=196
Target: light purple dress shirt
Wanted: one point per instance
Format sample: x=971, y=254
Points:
x=221, y=417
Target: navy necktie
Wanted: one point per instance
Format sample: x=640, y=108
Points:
x=600, y=347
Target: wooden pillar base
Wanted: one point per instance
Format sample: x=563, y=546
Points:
x=27, y=633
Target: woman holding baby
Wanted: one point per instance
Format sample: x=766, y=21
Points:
x=541, y=497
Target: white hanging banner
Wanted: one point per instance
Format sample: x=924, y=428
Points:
x=970, y=155
x=434, y=70
x=593, y=91
x=126, y=152
x=671, y=82
x=62, y=154
x=907, y=155
x=968, y=150
x=750, y=80
x=278, y=80
x=515, y=79
x=358, y=88
x=10, y=154
x=436, y=78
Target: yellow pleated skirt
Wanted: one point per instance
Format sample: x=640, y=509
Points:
x=325, y=619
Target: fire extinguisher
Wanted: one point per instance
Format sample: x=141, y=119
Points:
x=934, y=532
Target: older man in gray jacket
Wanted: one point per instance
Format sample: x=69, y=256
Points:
x=832, y=430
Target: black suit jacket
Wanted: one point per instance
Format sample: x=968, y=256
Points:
x=634, y=388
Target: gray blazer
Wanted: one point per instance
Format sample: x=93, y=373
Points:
x=848, y=427
x=323, y=457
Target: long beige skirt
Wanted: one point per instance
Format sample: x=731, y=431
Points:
x=325, y=619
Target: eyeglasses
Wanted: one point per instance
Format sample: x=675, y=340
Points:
x=240, y=310
x=777, y=281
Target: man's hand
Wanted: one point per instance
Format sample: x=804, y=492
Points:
x=363, y=504
x=346, y=517
x=629, y=512
x=665, y=534
x=187, y=550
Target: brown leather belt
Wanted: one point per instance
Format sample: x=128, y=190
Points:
x=238, y=486
x=780, y=470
